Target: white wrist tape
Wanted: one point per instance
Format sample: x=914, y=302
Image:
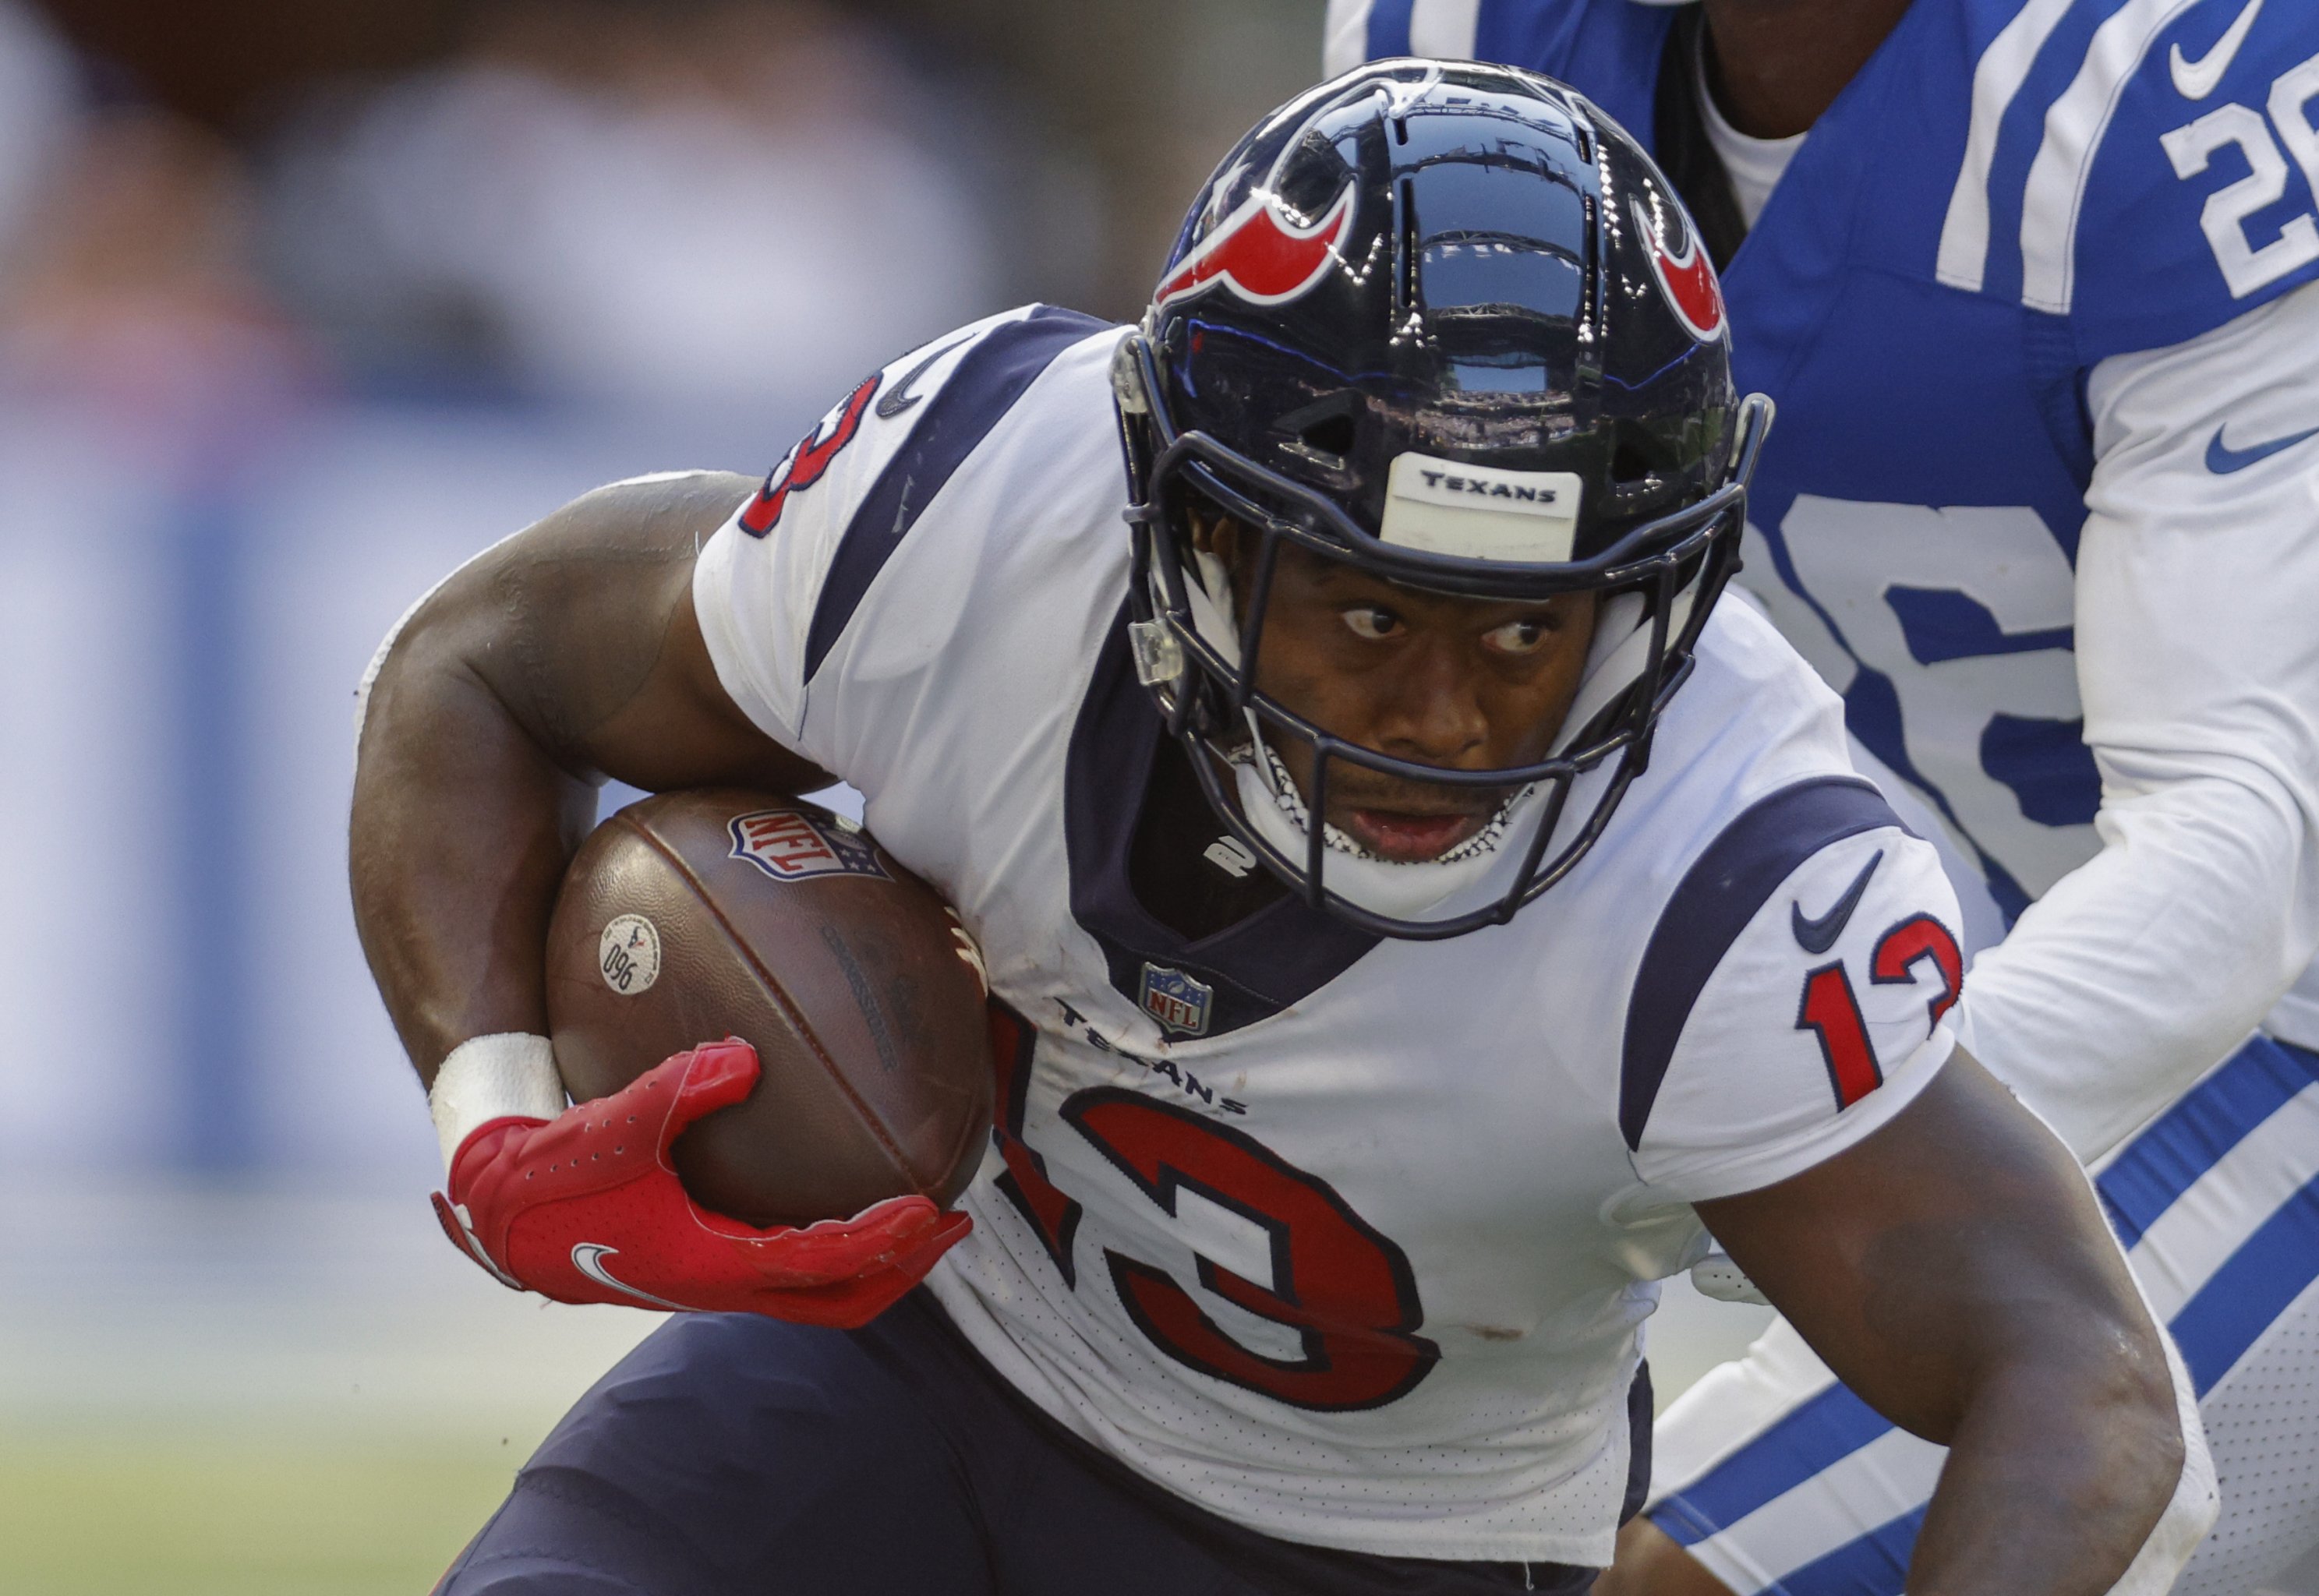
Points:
x=493, y=1078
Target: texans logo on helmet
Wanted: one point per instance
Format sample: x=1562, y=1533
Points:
x=1687, y=279
x=1261, y=255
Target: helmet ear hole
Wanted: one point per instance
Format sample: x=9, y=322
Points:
x=1333, y=435
x=1322, y=435
x=1629, y=467
x=1639, y=485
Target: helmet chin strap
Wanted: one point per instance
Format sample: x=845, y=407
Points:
x=1210, y=599
x=1616, y=657
x=1281, y=783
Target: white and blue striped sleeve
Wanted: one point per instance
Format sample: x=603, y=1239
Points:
x=2198, y=664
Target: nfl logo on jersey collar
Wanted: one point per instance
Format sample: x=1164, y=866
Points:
x=1175, y=1000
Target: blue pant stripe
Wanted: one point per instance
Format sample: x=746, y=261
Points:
x=1874, y=1565
x=1830, y=1427
x=2196, y=1134
x=2274, y=1266
x=1679, y=1523
x=1389, y=28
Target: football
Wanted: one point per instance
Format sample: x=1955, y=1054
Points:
x=695, y=916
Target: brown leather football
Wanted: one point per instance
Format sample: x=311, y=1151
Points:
x=696, y=916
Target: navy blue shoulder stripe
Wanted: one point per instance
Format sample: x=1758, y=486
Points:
x=1713, y=903
x=955, y=419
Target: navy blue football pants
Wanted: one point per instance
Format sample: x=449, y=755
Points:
x=733, y=1455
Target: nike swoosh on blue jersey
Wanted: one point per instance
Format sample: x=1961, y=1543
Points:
x=2195, y=80
x=2222, y=459
x=1817, y=936
x=898, y=398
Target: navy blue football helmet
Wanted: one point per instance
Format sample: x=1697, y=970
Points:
x=1447, y=323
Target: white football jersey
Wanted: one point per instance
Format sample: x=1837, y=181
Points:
x=1346, y=1239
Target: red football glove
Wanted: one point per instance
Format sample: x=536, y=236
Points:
x=587, y=1208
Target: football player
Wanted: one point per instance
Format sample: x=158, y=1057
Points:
x=2031, y=282
x=1413, y=909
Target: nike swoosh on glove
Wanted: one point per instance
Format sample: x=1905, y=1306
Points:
x=587, y=1208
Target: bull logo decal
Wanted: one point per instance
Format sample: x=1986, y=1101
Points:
x=1259, y=254
x=1687, y=279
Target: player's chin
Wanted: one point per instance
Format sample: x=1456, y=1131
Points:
x=1409, y=836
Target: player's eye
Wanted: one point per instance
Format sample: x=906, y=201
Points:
x=1371, y=621
x=1518, y=636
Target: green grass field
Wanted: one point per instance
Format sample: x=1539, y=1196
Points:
x=196, y=1514
x=264, y=1392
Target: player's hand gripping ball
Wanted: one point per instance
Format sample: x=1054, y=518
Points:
x=586, y=1208
x=800, y=1168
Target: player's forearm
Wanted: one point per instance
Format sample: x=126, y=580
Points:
x=2058, y=1473
x=2199, y=669
x=2004, y=1325
x=1954, y=1270
x=462, y=826
x=2152, y=962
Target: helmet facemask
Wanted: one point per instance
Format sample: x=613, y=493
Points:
x=1199, y=642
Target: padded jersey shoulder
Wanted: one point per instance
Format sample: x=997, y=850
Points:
x=2144, y=171
x=2202, y=202
x=1767, y=914
x=866, y=545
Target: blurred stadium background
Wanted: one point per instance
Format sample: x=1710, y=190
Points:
x=300, y=306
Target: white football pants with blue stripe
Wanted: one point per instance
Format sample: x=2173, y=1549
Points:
x=1779, y=1479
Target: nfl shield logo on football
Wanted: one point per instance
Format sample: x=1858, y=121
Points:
x=1175, y=1000
x=790, y=845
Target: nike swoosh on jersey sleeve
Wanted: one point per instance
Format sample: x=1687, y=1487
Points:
x=1718, y=896
x=900, y=397
x=2223, y=460
x=1786, y=1054
x=1818, y=935
x=2195, y=80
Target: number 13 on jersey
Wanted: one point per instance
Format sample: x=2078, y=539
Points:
x=1345, y=1292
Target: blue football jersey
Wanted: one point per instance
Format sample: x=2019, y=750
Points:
x=2008, y=193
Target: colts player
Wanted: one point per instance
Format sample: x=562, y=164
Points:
x=2035, y=286
x=1434, y=474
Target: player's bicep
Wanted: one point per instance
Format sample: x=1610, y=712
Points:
x=582, y=628
x=1821, y=1001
